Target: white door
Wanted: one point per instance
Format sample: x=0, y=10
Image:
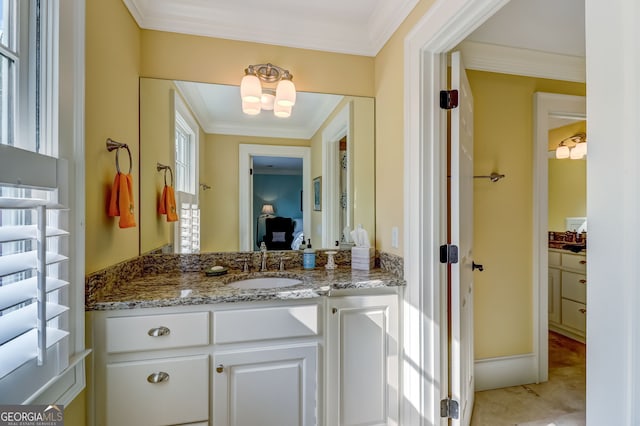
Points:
x=461, y=344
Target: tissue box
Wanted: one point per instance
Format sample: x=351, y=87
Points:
x=362, y=258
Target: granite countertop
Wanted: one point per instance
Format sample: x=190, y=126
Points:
x=195, y=288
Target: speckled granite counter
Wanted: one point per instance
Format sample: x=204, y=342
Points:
x=194, y=288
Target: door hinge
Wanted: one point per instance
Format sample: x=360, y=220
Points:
x=449, y=253
x=449, y=408
x=448, y=99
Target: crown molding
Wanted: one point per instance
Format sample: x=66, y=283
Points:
x=530, y=63
x=275, y=26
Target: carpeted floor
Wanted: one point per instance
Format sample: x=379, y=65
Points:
x=558, y=402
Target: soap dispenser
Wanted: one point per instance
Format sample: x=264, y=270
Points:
x=309, y=256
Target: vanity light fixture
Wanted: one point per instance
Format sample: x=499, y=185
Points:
x=577, y=151
x=255, y=97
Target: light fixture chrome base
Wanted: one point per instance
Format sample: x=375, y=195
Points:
x=268, y=73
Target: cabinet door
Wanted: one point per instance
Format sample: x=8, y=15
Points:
x=362, y=361
x=267, y=386
x=554, y=296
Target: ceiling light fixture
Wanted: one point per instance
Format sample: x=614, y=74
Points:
x=576, y=151
x=256, y=98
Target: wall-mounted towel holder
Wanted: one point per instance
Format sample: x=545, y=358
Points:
x=493, y=177
x=160, y=167
x=114, y=145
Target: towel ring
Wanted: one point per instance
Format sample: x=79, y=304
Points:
x=160, y=166
x=111, y=145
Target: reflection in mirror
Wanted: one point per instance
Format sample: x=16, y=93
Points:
x=567, y=176
x=229, y=166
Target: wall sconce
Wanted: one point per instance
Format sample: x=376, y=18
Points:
x=256, y=98
x=575, y=152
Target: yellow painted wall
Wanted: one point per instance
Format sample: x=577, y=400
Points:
x=567, y=191
x=389, y=94
x=503, y=142
x=111, y=111
x=75, y=413
x=219, y=205
x=211, y=60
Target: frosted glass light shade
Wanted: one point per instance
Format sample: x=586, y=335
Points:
x=281, y=111
x=578, y=151
x=267, y=101
x=286, y=93
x=267, y=209
x=562, y=152
x=251, y=108
x=250, y=88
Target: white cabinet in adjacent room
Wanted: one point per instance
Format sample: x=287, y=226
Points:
x=362, y=360
x=568, y=294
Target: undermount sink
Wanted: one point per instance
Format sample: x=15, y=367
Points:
x=265, y=282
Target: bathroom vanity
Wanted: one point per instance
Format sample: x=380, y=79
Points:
x=189, y=349
x=568, y=293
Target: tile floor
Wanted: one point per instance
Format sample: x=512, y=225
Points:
x=558, y=402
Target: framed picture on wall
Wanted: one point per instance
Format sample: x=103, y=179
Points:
x=317, y=191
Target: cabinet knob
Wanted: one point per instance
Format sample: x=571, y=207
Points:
x=583, y=281
x=158, y=377
x=219, y=368
x=159, y=331
x=583, y=262
x=334, y=310
x=582, y=310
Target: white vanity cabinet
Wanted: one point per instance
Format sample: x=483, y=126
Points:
x=266, y=364
x=320, y=361
x=568, y=294
x=362, y=379
x=152, y=368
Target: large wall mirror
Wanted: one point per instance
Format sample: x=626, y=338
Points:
x=237, y=178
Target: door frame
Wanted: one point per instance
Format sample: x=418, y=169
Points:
x=545, y=104
x=443, y=27
x=245, y=187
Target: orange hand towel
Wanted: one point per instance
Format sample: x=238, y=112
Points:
x=125, y=202
x=170, y=206
x=113, y=209
x=162, y=207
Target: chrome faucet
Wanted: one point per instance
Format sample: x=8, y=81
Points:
x=263, y=250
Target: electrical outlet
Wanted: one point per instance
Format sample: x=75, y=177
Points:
x=394, y=237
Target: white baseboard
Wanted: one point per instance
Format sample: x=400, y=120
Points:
x=502, y=372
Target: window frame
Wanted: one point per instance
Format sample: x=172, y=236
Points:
x=61, y=113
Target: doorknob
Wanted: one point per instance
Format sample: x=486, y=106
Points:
x=475, y=266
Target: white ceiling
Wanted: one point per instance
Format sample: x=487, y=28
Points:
x=555, y=26
x=360, y=27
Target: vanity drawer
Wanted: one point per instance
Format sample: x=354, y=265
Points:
x=554, y=258
x=243, y=325
x=574, y=286
x=574, y=315
x=141, y=333
x=181, y=397
x=573, y=261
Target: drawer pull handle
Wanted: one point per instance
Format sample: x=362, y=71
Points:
x=159, y=331
x=583, y=262
x=158, y=377
x=583, y=281
x=220, y=368
x=582, y=310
